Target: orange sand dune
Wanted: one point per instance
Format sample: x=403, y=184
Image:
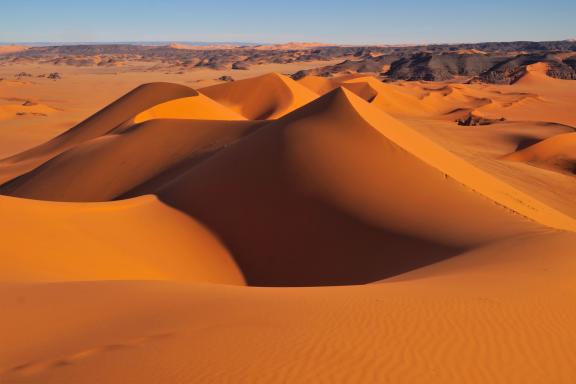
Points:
x=109, y=166
x=535, y=97
x=556, y=153
x=265, y=97
x=197, y=107
x=552, y=99
x=147, y=99
x=312, y=167
x=322, y=85
x=317, y=84
x=388, y=97
x=45, y=241
x=391, y=98
x=492, y=315
x=400, y=100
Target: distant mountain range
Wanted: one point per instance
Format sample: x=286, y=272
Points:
x=492, y=62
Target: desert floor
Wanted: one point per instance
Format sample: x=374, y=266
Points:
x=268, y=230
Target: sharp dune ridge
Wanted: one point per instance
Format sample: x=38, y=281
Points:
x=265, y=97
x=390, y=232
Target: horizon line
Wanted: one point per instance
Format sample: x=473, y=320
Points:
x=208, y=42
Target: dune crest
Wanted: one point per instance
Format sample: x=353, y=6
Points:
x=107, y=167
x=197, y=107
x=315, y=161
x=264, y=97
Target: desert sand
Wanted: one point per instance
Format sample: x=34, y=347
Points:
x=330, y=229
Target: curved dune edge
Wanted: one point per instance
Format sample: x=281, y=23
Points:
x=101, y=123
x=465, y=173
x=329, y=168
x=107, y=167
x=265, y=97
x=402, y=101
x=557, y=153
x=197, y=107
x=47, y=241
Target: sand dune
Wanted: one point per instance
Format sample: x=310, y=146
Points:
x=400, y=101
x=197, y=107
x=311, y=167
x=142, y=103
x=549, y=99
x=535, y=97
x=390, y=98
x=109, y=166
x=45, y=241
x=322, y=85
x=265, y=97
x=557, y=153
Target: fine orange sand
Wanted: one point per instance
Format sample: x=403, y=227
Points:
x=380, y=241
x=265, y=97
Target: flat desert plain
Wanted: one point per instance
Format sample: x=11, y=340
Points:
x=174, y=228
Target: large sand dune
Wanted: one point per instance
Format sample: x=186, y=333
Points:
x=265, y=97
x=311, y=169
x=386, y=243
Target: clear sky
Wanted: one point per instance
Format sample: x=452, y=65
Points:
x=335, y=21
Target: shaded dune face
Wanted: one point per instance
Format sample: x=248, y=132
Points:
x=557, y=153
x=322, y=197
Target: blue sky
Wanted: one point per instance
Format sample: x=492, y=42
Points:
x=352, y=21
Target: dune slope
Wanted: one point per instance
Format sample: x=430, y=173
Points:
x=268, y=96
x=107, y=167
x=557, y=153
x=44, y=241
x=123, y=109
x=340, y=165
